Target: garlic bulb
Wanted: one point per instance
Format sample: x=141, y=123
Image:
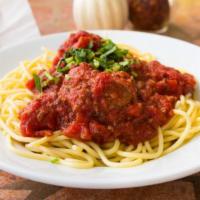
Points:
x=100, y=14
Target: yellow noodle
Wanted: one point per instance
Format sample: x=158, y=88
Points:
x=183, y=126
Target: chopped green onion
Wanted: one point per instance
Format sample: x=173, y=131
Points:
x=37, y=81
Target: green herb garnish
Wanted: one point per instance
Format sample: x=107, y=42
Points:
x=110, y=51
x=37, y=81
x=82, y=55
x=64, y=69
x=124, y=63
x=108, y=57
x=69, y=60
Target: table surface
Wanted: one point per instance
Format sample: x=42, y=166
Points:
x=56, y=16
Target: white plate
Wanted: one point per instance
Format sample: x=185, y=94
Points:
x=180, y=163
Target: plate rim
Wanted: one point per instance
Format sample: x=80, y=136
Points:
x=77, y=184
x=6, y=48
x=90, y=185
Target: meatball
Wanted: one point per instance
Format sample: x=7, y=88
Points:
x=113, y=91
x=76, y=91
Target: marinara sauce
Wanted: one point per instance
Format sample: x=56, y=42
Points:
x=102, y=106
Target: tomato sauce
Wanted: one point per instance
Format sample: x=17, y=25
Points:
x=102, y=106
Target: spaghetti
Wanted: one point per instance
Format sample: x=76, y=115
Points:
x=58, y=148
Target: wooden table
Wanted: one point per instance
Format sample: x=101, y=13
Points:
x=56, y=16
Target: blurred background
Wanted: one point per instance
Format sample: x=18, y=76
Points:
x=184, y=21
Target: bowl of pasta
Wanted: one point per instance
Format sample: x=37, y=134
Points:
x=100, y=109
